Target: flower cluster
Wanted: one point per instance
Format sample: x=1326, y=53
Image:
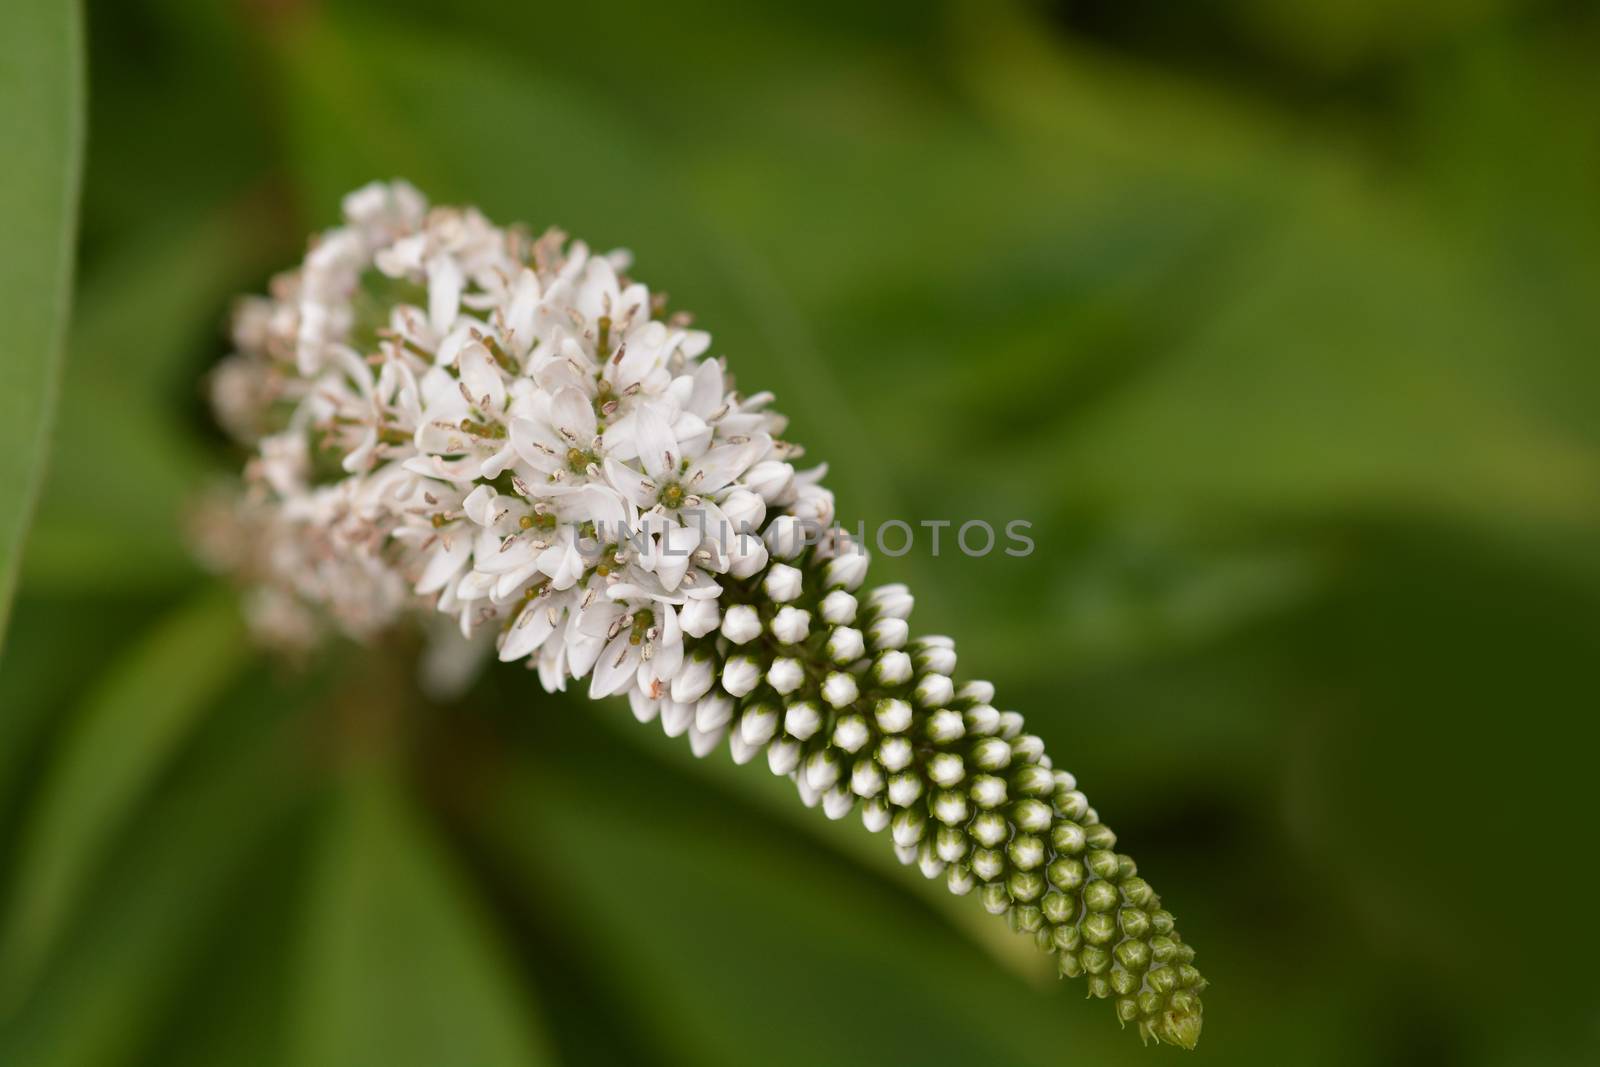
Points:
x=451, y=416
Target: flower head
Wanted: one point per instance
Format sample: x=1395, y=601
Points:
x=447, y=416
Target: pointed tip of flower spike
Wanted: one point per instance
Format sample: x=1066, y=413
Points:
x=1181, y=1028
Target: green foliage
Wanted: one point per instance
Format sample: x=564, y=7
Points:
x=41, y=112
x=1278, y=326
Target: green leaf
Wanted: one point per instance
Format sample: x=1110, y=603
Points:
x=183, y=876
x=41, y=112
x=150, y=305
x=399, y=966
x=114, y=747
x=735, y=941
x=775, y=798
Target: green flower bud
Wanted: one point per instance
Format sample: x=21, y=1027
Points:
x=1067, y=837
x=1100, y=896
x=1066, y=874
x=1032, y=815
x=1124, y=982
x=1137, y=891
x=996, y=901
x=1025, y=885
x=1132, y=954
x=1033, y=781
x=981, y=719
x=1103, y=864
x=989, y=829
x=1027, y=749
x=1025, y=851
x=1058, y=907
x=1099, y=929
x=1071, y=804
x=1025, y=918
x=988, y=791
x=952, y=843
x=1179, y=1028
x=988, y=864
x=1100, y=836
x=991, y=754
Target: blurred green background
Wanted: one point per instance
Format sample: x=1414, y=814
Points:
x=1278, y=321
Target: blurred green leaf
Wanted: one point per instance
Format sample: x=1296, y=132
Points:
x=733, y=943
x=150, y=317
x=179, y=879
x=117, y=744
x=776, y=798
x=399, y=966
x=41, y=112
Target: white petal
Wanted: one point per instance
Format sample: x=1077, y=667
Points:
x=573, y=415
x=448, y=557
x=480, y=505
x=631, y=484
x=481, y=377
x=615, y=667
x=658, y=448
x=529, y=631
x=676, y=545
x=519, y=319
x=444, y=292
x=535, y=446
x=721, y=465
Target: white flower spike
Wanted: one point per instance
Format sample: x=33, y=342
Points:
x=449, y=416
